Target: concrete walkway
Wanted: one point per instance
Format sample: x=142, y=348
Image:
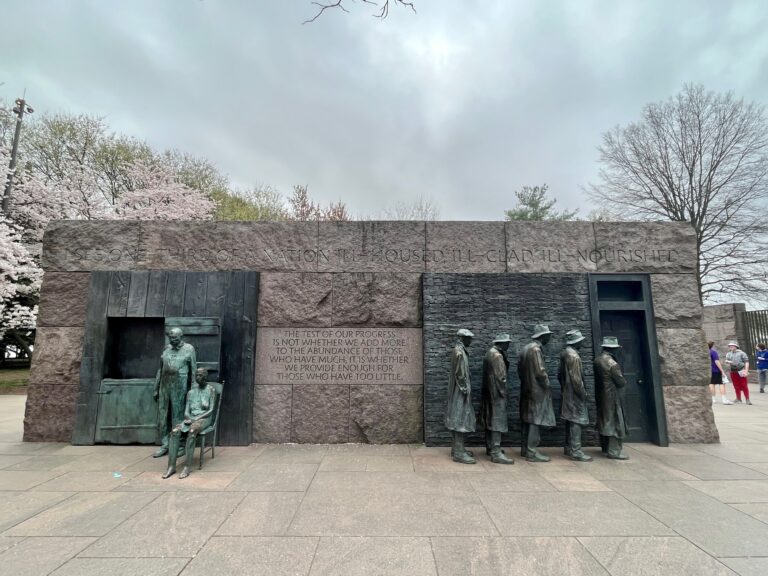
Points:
x=400, y=510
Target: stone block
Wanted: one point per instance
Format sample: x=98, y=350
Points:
x=661, y=247
x=676, y=300
x=50, y=412
x=690, y=419
x=295, y=299
x=386, y=414
x=205, y=246
x=466, y=247
x=63, y=299
x=550, y=247
x=376, y=299
x=320, y=414
x=84, y=245
x=340, y=355
x=57, y=355
x=684, y=357
x=372, y=247
x=272, y=413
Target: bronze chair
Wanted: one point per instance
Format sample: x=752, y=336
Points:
x=211, y=431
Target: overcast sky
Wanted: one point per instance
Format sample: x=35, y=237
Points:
x=463, y=102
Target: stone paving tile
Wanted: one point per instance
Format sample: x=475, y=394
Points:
x=99, y=481
x=573, y=480
x=761, y=467
x=255, y=556
x=737, y=452
x=292, y=454
x=111, y=461
x=734, y=491
x=16, y=507
x=262, y=514
x=327, y=512
x=401, y=482
x=198, y=480
x=26, y=447
x=747, y=566
x=122, y=567
x=519, y=480
x=84, y=514
x=389, y=464
x=567, y=514
x=175, y=524
x=369, y=449
x=44, y=462
x=278, y=477
x=8, y=542
x=756, y=510
x=7, y=460
x=710, y=468
x=641, y=556
x=363, y=556
x=36, y=556
x=23, y=479
x=639, y=468
x=349, y=462
x=545, y=556
x=715, y=527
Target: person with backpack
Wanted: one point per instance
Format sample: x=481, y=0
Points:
x=738, y=362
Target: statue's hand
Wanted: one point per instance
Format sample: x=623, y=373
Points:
x=187, y=421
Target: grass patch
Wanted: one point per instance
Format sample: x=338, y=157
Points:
x=12, y=377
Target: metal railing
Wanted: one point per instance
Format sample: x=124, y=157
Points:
x=756, y=324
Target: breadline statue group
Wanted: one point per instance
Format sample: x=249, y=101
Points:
x=536, y=409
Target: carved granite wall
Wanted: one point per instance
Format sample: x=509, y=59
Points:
x=355, y=275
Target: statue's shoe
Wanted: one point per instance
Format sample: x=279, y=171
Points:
x=620, y=456
x=501, y=458
x=168, y=473
x=580, y=457
x=463, y=458
x=184, y=472
x=537, y=457
x=160, y=452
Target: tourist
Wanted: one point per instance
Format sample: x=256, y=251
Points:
x=718, y=375
x=762, y=366
x=738, y=363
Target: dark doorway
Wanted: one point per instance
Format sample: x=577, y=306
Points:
x=629, y=328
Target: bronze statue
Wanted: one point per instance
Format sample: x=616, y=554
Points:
x=459, y=413
x=174, y=378
x=535, y=394
x=493, y=407
x=609, y=394
x=574, y=406
x=198, y=414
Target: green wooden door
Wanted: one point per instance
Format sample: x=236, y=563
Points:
x=127, y=411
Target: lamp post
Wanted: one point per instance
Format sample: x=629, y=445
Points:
x=20, y=108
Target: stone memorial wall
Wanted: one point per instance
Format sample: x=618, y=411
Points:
x=329, y=291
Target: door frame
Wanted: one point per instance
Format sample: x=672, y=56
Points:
x=657, y=423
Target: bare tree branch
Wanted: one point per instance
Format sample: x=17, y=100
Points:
x=382, y=13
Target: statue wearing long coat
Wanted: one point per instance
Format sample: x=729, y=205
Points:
x=609, y=394
x=535, y=392
x=459, y=413
x=493, y=405
x=571, y=378
x=174, y=378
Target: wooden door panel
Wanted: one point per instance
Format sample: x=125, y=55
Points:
x=127, y=411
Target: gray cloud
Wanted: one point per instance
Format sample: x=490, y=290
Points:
x=464, y=102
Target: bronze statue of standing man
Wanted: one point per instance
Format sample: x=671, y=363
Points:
x=493, y=406
x=609, y=395
x=459, y=413
x=535, y=394
x=574, y=406
x=174, y=378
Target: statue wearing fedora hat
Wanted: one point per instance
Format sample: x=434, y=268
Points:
x=609, y=394
x=459, y=413
x=574, y=406
x=535, y=394
x=493, y=406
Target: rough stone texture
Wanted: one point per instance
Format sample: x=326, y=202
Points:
x=689, y=415
x=200, y=246
x=295, y=299
x=64, y=299
x=376, y=299
x=339, y=356
x=684, y=357
x=85, y=245
x=386, y=414
x=466, y=247
x=492, y=303
x=50, y=413
x=676, y=301
x=666, y=247
x=57, y=354
x=723, y=323
x=372, y=246
x=320, y=414
x=272, y=413
x=550, y=247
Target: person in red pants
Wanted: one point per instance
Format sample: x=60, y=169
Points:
x=738, y=362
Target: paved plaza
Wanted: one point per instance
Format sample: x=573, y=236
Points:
x=392, y=509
